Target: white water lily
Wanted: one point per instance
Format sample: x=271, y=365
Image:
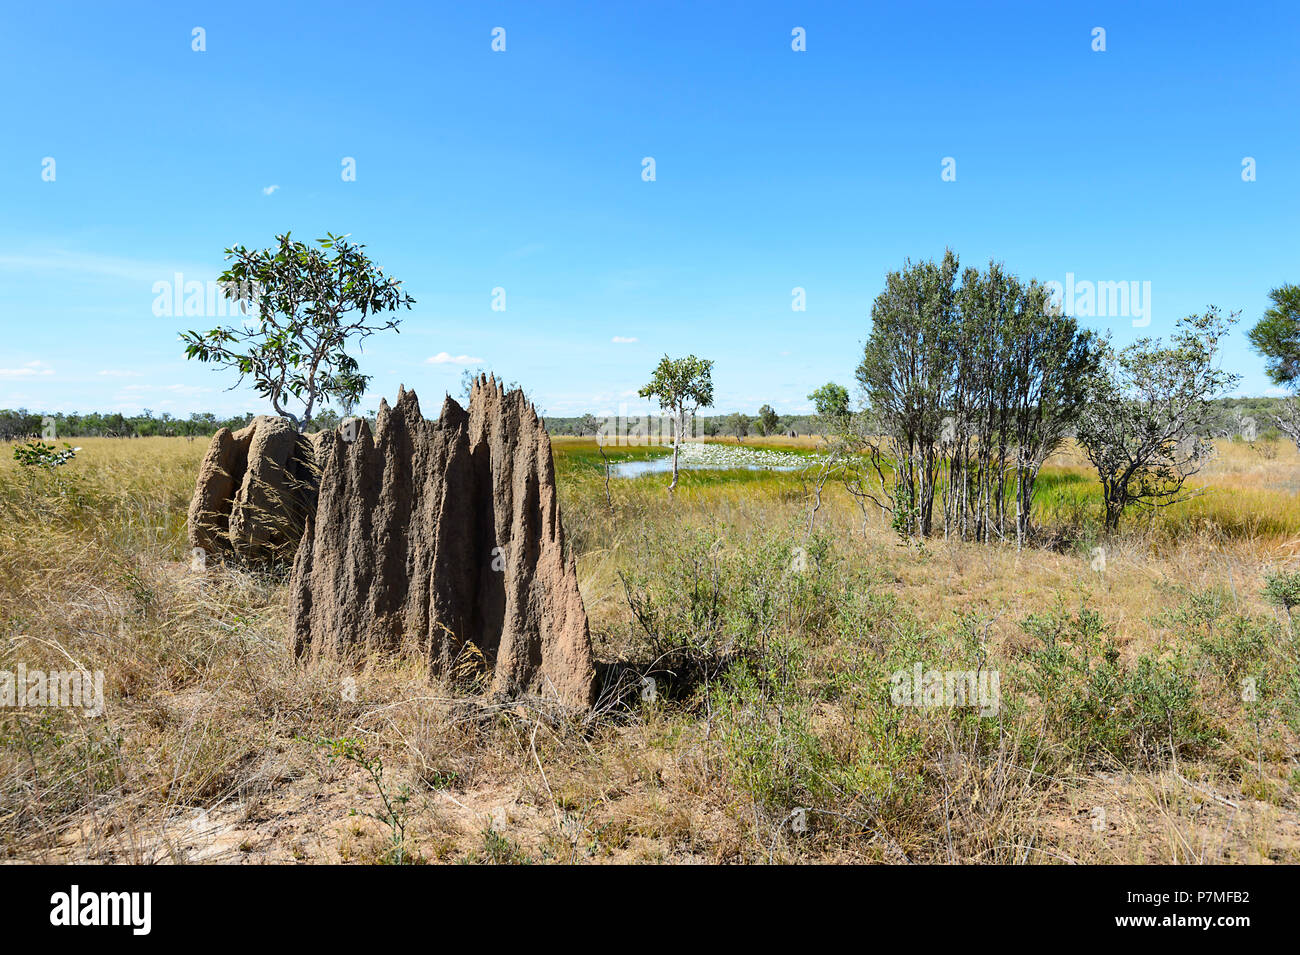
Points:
x=720, y=457
x=715, y=456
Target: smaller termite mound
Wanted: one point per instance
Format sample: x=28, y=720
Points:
x=254, y=491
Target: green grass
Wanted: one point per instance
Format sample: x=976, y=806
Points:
x=1246, y=493
x=580, y=455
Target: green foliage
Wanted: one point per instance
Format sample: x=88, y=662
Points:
x=706, y=599
x=1277, y=335
x=22, y=423
x=765, y=730
x=774, y=633
x=766, y=708
x=831, y=401
x=392, y=811
x=309, y=307
x=738, y=424
x=1143, y=429
x=906, y=514
x=979, y=382
x=682, y=385
x=1236, y=647
x=1282, y=589
x=1254, y=667
x=39, y=454
x=327, y=419
x=497, y=849
x=1103, y=709
x=767, y=420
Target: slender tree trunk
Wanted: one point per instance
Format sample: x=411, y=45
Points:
x=608, y=500
x=677, y=437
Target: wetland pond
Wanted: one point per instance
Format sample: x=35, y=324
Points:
x=713, y=457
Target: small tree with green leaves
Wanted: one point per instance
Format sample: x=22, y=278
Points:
x=767, y=420
x=1276, y=336
x=682, y=386
x=309, y=304
x=1144, y=425
x=738, y=425
x=832, y=403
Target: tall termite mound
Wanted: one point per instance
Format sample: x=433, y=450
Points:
x=446, y=532
x=254, y=491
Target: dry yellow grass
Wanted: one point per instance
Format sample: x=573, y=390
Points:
x=207, y=750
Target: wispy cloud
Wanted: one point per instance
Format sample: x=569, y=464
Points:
x=29, y=370
x=63, y=262
x=623, y=340
x=267, y=190
x=442, y=358
x=173, y=389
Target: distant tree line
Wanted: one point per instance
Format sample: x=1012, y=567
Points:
x=17, y=424
x=1233, y=418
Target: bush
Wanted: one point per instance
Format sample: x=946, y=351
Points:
x=711, y=598
x=1283, y=590
x=39, y=454
x=1101, y=708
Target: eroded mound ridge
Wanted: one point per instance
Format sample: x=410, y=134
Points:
x=446, y=532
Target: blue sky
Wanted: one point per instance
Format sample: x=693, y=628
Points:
x=522, y=170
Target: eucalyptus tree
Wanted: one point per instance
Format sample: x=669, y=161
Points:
x=682, y=386
x=1019, y=387
x=906, y=374
x=1050, y=363
x=972, y=387
x=1287, y=418
x=307, y=306
x=831, y=402
x=738, y=425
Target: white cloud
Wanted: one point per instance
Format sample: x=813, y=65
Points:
x=28, y=370
x=84, y=264
x=175, y=389
x=442, y=358
x=622, y=340
x=267, y=190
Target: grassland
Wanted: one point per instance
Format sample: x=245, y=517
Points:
x=1124, y=733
